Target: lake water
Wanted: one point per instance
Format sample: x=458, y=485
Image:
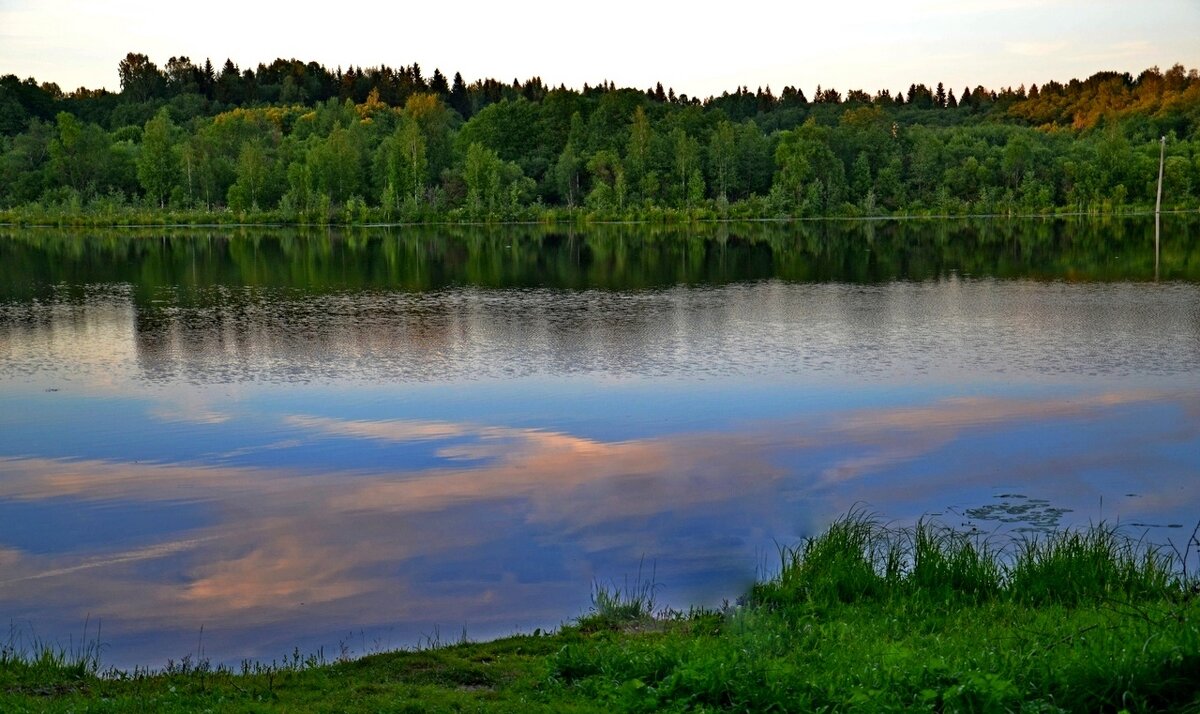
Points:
x=373, y=438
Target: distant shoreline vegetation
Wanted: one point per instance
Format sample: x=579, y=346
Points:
x=103, y=215
x=294, y=143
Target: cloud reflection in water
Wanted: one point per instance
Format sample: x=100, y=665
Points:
x=283, y=457
x=511, y=524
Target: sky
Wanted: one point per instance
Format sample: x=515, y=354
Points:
x=699, y=47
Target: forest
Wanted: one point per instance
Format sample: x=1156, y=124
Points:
x=294, y=142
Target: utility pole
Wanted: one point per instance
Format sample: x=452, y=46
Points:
x=1162, y=154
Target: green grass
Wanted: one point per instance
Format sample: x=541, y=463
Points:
x=863, y=617
x=626, y=606
x=120, y=213
x=35, y=657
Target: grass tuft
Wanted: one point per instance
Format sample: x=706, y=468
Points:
x=1093, y=564
x=859, y=559
x=37, y=658
x=853, y=560
x=614, y=606
x=948, y=564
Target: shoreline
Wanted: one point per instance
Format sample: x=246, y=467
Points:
x=16, y=218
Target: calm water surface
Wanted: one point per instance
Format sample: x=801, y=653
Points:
x=374, y=437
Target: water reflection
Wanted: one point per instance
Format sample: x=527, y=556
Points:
x=293, y=441
x=511, y=523
x=165, y=266
x=952, y=329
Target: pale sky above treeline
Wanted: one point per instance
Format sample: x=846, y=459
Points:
x=700, y=48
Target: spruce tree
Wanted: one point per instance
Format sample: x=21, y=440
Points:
x=458, y=97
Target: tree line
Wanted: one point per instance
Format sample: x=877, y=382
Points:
x=293, y=141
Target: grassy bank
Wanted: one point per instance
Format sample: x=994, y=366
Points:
x=104, y=215
x=861, y=618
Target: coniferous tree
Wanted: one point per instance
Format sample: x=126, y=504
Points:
x=249, y=86
x=765, y=100
x=459, y=100
x=793, y=97
x=438, y=84
x=228, y=87
x=208, y=79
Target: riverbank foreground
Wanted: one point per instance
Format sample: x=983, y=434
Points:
x=861, y=618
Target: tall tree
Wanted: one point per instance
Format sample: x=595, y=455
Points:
x=229, y=87
x=459, y=100
x=79, y=154
x=23, y=168
x=208, y=78
x=250, y=189
x=811, y=177
x=570, y=162
x=182, y=76
x=689, y=182
x=438, y=85
x=637, y=153
x=437, y=124
x=722, y=158
x=141, y=79
x=158, y=163
x=402, y=160
x=336, y=165
x=483, y=174
x=608, y=180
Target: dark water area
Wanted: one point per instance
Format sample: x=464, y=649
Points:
x=604, y=257
x=365, y=438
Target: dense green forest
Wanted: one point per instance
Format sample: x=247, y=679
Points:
x=296, y=142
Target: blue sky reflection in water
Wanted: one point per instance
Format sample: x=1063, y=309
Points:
x=298, y=461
